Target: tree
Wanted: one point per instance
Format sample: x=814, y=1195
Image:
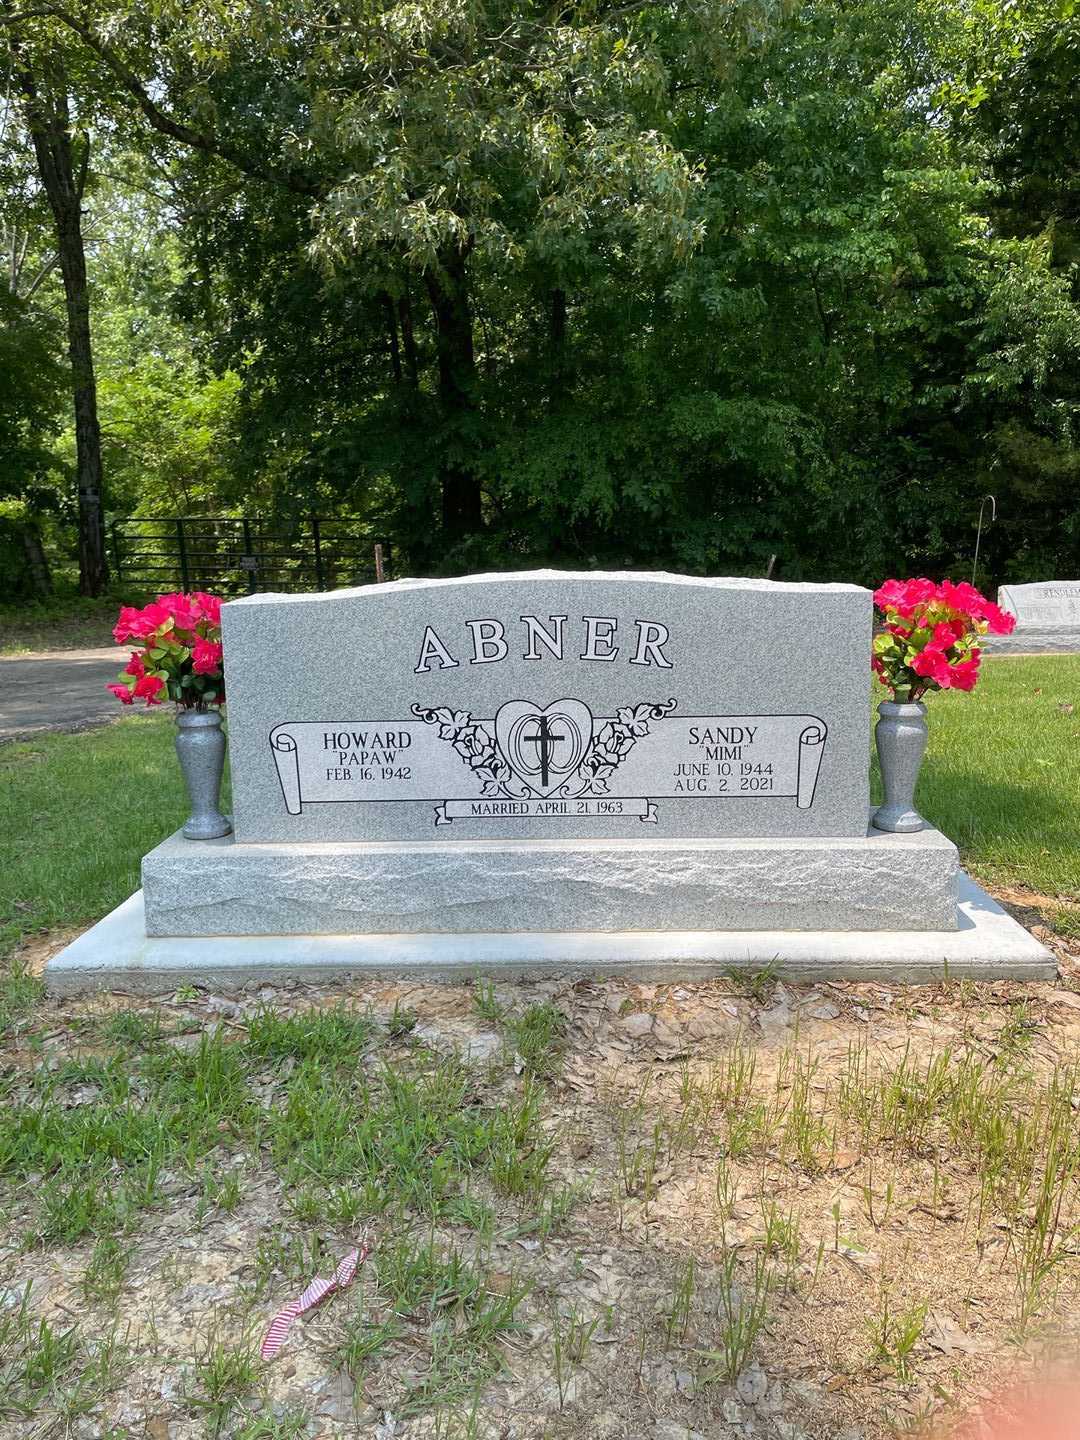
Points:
x=39, y=80
x=1012, y=96
x=683, y=285
x=31, y=379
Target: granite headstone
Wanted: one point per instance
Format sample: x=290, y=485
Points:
x=1044, y=605
x=548, y=773
x=550, y=705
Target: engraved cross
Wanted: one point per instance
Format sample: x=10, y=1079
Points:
x=543, y=739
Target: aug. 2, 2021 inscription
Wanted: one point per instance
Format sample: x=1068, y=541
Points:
x=497, y=717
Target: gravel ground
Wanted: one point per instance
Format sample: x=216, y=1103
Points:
x=58, y=690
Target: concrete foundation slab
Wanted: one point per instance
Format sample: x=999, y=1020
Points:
x=117, y=954
x=871, y=882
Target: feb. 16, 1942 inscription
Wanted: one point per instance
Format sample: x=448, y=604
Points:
x=549, y=705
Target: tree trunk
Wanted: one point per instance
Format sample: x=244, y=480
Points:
x=449, y=292
x=392, y=336
x=559, y=373
x=36, y=561
x=558, y=318
x=48, y=121
x=408, y=340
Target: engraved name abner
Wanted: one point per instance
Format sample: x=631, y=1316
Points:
x=488, y=643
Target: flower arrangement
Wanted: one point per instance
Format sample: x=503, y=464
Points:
x=931, y=636
x=180, y=657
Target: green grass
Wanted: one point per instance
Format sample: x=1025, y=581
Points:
x=350, y=1139
x=1002, y=773
x=398, y=1143
x=536, y=1036
x=77, y=813
x=42, y=1367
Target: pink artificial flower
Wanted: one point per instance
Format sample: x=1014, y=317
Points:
x=122, y=629
x=968, y=601
x=122, y=693
x=149, y=688
x=136, y=624
x=185, y=614
x=962, y=597
x=135, y=666
x=999, y=621
x=206, y=656
x=947, y=619
x=920, y=592
x=928, y=661
x=945, y=633
x=208, y=606
x=964, y=675
x=904, y=596
x=890, y=595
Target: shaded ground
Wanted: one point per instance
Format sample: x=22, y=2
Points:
x=724, y=1210
x=62, y=623
x=58, y=690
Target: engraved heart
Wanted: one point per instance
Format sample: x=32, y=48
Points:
x=543, y=747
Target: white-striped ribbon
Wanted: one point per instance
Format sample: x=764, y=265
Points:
x=317, y=1291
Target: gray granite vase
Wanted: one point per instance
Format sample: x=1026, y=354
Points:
x=901, y=737
x=200, y=746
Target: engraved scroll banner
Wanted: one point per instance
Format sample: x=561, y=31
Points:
x=286, y=758
x=547, y=762
x=811, y=748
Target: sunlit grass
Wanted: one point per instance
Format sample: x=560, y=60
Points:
x=1002, y=773
x=77, y=814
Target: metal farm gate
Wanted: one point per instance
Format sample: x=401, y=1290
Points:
x=233, y=555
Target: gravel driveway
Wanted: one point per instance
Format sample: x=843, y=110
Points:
x=57, y=690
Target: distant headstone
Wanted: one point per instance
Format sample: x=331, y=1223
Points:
x=550, y=706
x=1044, y=605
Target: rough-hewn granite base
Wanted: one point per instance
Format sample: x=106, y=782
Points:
x=876, y=882
x=116, y=954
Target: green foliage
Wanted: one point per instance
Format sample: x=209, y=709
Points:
x=31, y=393
x=31, y=389
x=166, y=417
